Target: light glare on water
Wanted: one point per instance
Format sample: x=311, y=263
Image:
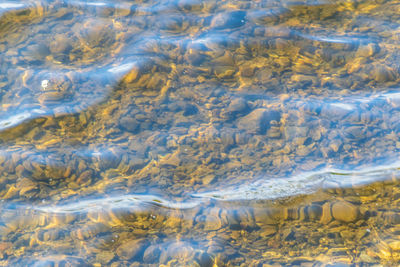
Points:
x=199, y=133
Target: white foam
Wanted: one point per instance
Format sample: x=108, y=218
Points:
x=392, y=96
x=120, y=202
x=304, y=184
x=10, y=5
x=343, y=106
x=121, y=68
x=96, y=4
x=14, y=120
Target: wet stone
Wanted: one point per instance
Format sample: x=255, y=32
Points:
x=129, y=124
x=179, y=250
x=394, y=245
x=172, y=24
x=90, y=230
x=132, y=249
x=52, y=234
x=212, y=223
x=338, y=111
x=98, y=35
x=37, y=52
x=326, y=216
x=382, y=74
x=345, y=212
x=61, y=45
x=151, y=254
x=392, y=217
x=109, y=159
x=269, y=16
x=236, y=107
x=190, y=5
x=355, y=133
x=367, y=50
x=247, y=72
x=268, y=230
x=258, y=121
x=27, y=187
x=116, y=117
x=189, y=109
x=228, y=20
x=314, y=212
x=204, y=259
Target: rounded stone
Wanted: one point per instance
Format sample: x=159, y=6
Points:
x=228, y=20
x=236, y=107
x=258, y=121
x=394, y=245
x=151, y=254
x=204, y=259
x=131, y=249
x=61, y=44
x=129, y=124
x=345, y=212
x=314, y=212
x=326, y=216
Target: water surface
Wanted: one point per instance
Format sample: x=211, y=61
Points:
x=199, y=133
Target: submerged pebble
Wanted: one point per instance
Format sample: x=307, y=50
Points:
x=131, y=249
x=345, y=211
x=258, y=121
x=117, y=119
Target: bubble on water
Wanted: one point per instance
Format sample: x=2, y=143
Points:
x=44, y=84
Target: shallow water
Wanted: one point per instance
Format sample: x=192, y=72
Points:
x=199, y=133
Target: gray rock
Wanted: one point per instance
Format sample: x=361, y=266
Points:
x=338, y=111
x=36, y=52
x=177, y=250
x=129, y=124
x=314, y=212
x=258, y=121
x=108, y=159
x=136, y=163
x=355, y=133
x=382, y=74
x=131, y=249
x=228, y=20
x=189, y=109
x=60, y=45
x=204, y=259
x=151, y=254
x=236, y=107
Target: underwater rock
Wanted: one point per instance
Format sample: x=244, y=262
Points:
x=258, y=121
x=151, y=254
x=345, y=211
x=236, y=107
x=228, y=20
x=131, y=249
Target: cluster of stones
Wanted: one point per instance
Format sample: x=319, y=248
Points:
x=232, y=92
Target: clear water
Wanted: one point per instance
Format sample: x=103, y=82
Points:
x=199, y=133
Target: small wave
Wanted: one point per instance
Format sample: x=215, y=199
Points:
x=343, y=106
x=120, y=69
x=303, y=184
x=120, y=202
x=266, y=188
x=11, y=5
x=331, y=39
x=14, y=120
x=53, y=93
